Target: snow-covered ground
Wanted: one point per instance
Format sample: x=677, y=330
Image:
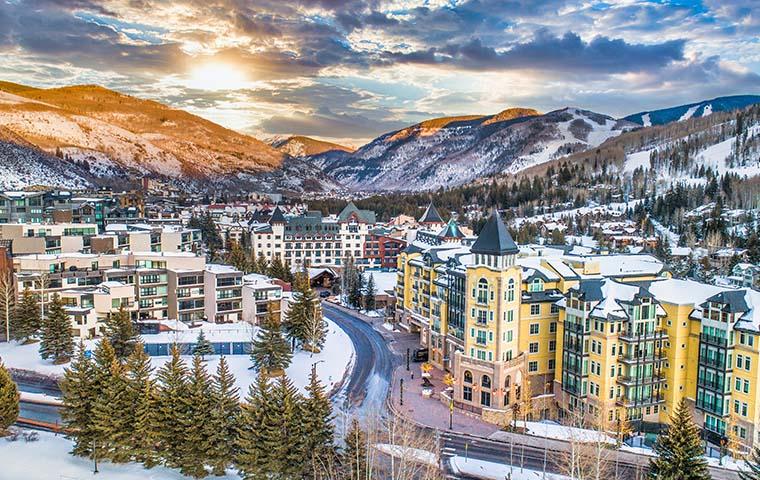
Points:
x=497, y=471
x=561, y=432
x=333, y=361
x=409, y=453
x=22, y=460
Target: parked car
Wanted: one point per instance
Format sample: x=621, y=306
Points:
x=420, y=355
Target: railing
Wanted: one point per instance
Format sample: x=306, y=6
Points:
x=638, y=402
x=629, y=336
x=712, y=384
x=574, y=327
x=713, y=340
x=644, y=380
x=715, y=407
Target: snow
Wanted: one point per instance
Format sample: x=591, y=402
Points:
x=498, y=471
x=334, y=360
x=636, y=160
x=415, y=454
x=647, y=121
x=672, y=237
x=708, y=110
x=556, y=431
x=21, y=459
x=40, y=398
x=689, y=113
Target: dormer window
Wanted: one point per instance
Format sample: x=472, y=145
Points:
x=537, y=285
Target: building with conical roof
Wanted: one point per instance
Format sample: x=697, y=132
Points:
x=431, y=218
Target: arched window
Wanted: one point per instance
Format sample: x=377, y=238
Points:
x=537, y=285
x=507, y=381
x=511, y=290
x=485, y=381
x=467, y=376
x=482, y=290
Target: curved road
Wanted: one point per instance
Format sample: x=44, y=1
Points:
x=369, y=382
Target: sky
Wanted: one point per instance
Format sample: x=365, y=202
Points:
x=349, y=70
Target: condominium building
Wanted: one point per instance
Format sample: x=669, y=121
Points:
x=226, y=283
x=27, y=238
x=261, y=296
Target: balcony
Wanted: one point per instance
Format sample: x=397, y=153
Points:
x=655, y=399
x=631, y=336
x=638, y=359
x=573, y=389
x=637, y=381
x=575, y=327
x=714, y=384
x=713, y=340
x=714, y=407
x=718, y=362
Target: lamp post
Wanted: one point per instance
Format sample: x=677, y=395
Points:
x=401, y=392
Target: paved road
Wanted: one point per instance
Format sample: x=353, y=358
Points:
x=369, y=381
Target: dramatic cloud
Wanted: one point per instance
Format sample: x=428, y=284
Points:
x=353, y=69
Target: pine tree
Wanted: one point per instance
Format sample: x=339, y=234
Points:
x=317, y=417
x=270, y=352
x=120, y=331
x=355, y=453
x=752, y=471
x=355, y=292
x=27, y=320
x=289, y=440
x=224, y=417
x=199, y=421
x=679, y=450
x=9, y=398
x=172, y=408
x=262, y=265
x=111, y=417
x=253, y=457
x=57, y=340
x=237, y=258
x=303, y=321
x=141, y=389
x=202, y=346
x=78, y=396
x=369, y=294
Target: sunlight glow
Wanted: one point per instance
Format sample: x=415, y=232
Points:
x=216, y=77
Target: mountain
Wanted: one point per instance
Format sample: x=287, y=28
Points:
x=692, y=110
x=300, y=146
x=108, y=135
x=451, y=151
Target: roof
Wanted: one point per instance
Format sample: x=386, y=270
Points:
x=494, y=239
x=431, y=215
x=451, y=230
x=367, y=216
x=277, y=216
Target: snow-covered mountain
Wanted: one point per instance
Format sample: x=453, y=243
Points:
x=113, y=136
x=692, y=110
x=301, y=146
x=451, y=151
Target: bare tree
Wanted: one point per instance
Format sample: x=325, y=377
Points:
x=7, y=300
x=589, y=456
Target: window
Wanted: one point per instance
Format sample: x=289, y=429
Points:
x=552, y=345
x=553, y=327
x=533, y=366
x=537, y=285
x=467, y=393
x=554, y=309
x=535, y=309
x=511, y=290
x=485, y=398
x=467, y=376
x=533, y=347
x=552, y=364
x=482, y=296
x=485, y=381
x=534, y=328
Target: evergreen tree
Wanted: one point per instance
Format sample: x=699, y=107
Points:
x=752, y=471
x=224, y=417
x=355, y=292
x=27, y=320
x=679, y=450
x=120, y=331
x=253, y=456
x=112, y=415
x=199, y=421
x=172, y=409
x=237, y=258
x=270, y=352
x=57, y=340
x=9, y=398
x=289, y=439
x=202, y=346
x=141, y=389
x=262, y=265
x=355, y=453
x=319, y=433
x=78, y=396
x=277, y=269
x=369, y=294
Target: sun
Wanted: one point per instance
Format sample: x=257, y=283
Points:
x=217, y=76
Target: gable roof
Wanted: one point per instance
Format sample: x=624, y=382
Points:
x=451, y=230
x=431, y=215
x=494, y=239
x=367, y=216
x=277, y=216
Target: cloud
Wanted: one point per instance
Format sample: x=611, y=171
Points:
x=547, y=52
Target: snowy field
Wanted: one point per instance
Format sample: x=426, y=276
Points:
x=22, y=460
x=336, y=356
